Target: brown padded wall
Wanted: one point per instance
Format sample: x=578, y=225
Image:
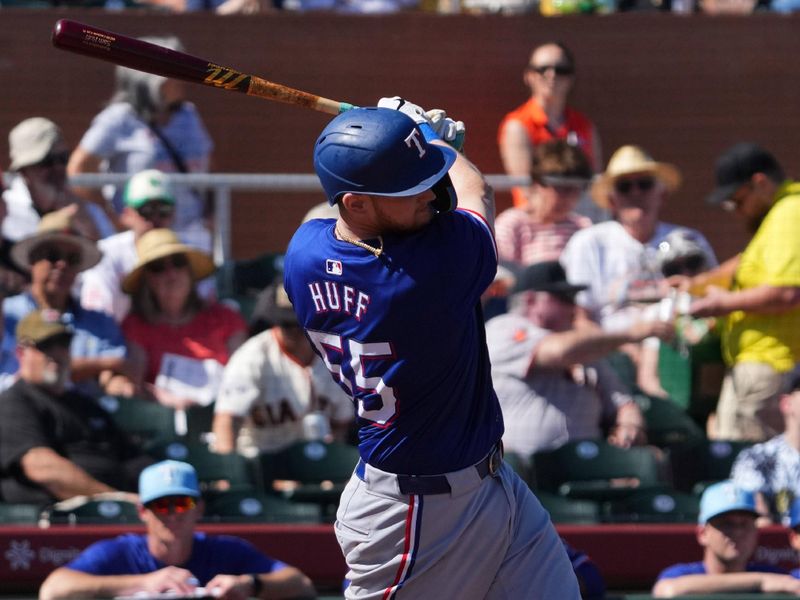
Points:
x=683, y=87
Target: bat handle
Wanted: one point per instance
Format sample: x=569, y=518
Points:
x=332, y=107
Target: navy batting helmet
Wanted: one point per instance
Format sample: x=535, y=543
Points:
x=382, y=152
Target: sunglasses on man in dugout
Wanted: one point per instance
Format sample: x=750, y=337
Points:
x=626, y=186
x=171, y=504
x=176, y=261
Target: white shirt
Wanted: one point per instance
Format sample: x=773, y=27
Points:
x=617, y=268
x=22, y=219
x=273, y=392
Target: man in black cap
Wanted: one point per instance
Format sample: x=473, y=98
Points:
x=56, y=443
x=548, y=376
x=758, y=292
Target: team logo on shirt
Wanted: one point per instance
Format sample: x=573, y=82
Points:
x=333, y=267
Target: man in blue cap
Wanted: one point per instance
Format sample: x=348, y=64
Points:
x=728, y=533
x=171, y=556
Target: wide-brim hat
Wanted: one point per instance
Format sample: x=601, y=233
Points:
x=632, y=160
x=54, y=228
x=31, y=141
x=160, y=243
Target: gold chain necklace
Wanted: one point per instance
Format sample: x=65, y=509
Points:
x=372, y=249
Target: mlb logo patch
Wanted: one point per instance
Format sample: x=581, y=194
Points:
x=333, y=267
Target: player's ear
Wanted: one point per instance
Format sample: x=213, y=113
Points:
x=355, y=203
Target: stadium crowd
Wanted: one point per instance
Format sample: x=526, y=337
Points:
x=600, y=314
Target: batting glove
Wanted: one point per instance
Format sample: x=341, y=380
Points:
x=405, y=107
x=451, y=131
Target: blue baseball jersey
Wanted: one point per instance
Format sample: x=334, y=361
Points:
x=403, y=335
x=212, y=555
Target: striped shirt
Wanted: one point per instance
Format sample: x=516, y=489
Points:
x=521, y=240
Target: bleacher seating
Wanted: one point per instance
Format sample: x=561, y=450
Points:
x=595, y=470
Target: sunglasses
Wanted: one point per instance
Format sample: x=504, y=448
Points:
x=171, y=504
x=59, y=341
x=559, y=70
x=59, y=159
x=690, y=264
x=626, y=186
x=564, y=184
x=155, y=209
x=54, y=255
x=177, y=261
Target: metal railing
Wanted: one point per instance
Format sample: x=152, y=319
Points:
x=222, y=184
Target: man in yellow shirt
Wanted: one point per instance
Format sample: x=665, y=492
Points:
x=757, y=291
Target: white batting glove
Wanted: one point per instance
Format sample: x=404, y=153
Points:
x=451, y=131
x=405, y=107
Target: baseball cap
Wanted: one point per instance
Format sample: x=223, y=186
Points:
x=31, y=140
x=273, y=306
x=737, y=165
x=40, y=325
x=546, y=276
x=168, y=478
x=146, y=186
x=725, y=497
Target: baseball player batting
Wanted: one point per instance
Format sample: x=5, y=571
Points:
x=389, y=295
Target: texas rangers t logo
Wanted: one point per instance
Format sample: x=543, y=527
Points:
x=413, y=138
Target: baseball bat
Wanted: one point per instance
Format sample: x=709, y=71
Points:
x=152, y=58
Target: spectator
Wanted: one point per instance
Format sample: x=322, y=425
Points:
x=548, y=376
x=182, y=341
x=540, y=230
x=12, y=279
x=54, y=256
x=728, y=534
x=276, y=386
x=57, y=443
x=39, y=156
x=549, y=75
x=171, y=557
x=681, y=253
x=616, y=258
x=771, y=469
x=757, y=291
x=794, y=531
x=149, y=124
x=149, y=204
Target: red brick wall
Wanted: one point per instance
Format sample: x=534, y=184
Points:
x=683, y=87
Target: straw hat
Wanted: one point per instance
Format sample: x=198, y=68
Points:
x=159, y=243
x=55, y=227
x=632, y=160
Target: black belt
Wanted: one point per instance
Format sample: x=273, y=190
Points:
x=438, y=484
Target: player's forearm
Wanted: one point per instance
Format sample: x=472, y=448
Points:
x=765, y=299
x=473, y=192
x=708, y=584
x=60, y=477
x=287, y=583
x=64, y=583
